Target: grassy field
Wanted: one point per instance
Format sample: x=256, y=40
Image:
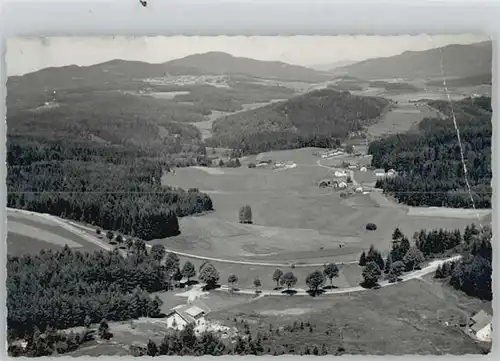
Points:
x=294, y=220
x=402, y=118
x=140, y=331
x=406, y=319
x=30, y=234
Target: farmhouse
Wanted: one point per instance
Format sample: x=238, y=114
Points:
x=340, y=173
x=363, y=169
x=180, y=316
x=480, y=326
x=342, y=184
x=379, y=172
x=358, y=190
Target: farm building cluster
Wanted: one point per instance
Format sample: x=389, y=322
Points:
x=269, y=163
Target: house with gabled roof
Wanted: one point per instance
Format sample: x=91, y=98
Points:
x=180, y=316
x=480, y=326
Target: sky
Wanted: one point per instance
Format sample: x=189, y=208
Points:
x=26, y=55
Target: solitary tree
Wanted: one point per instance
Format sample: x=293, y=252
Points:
x=315, y=281
x=104, y=330
x=158, y=252
x=129, y=242
x=140, y=246
x=172, y=262
x=362, y=259
x=188, y=270
x=87, y=321
x=371, y=274
x=209, y=275
x=119, y=239
x=257, y=284
x=277, y=277
x=413, y=258
x=152, y=349
x=349, y=149
x=289, y=280
x=110, y=235
x=232, y=279
x=245, y=214
x=331, y=270
x=397, y=234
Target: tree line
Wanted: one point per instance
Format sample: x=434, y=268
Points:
x=117, y=189
x=187, y=343
x=64, y=288
x=429, y=161
x=472, y=273
x=427, y=244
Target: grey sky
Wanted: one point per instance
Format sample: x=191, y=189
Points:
x=30, y=54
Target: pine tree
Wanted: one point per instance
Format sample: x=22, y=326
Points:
x=388, y=264
x=362, y=259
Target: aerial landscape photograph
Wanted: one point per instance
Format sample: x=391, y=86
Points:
x=300, y=195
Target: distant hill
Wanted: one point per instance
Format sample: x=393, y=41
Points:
x=318, y=118
x=127, y=75
x=458, y=61
x=333, y=65
x=222, y=63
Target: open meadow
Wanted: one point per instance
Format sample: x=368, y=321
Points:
x=415, y=317
x=32, y=233
x=293, y=219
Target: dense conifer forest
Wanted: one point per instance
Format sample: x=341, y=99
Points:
x=112, y=187
x=429, y=161
x=321, y=118
x=61, y=289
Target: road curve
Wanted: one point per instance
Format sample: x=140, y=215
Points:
x=301, y=292
x=77, y=229
x=68, y=225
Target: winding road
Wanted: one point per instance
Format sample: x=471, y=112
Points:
x=79, y=230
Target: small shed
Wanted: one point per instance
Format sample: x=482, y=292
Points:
x=379, y=172
x=363, y=169
x=342, y=184
x=391, y=172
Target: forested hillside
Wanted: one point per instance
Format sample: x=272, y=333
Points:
x=320, y=118
x=98, y=158
x=458, y=60
x=429, y=160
